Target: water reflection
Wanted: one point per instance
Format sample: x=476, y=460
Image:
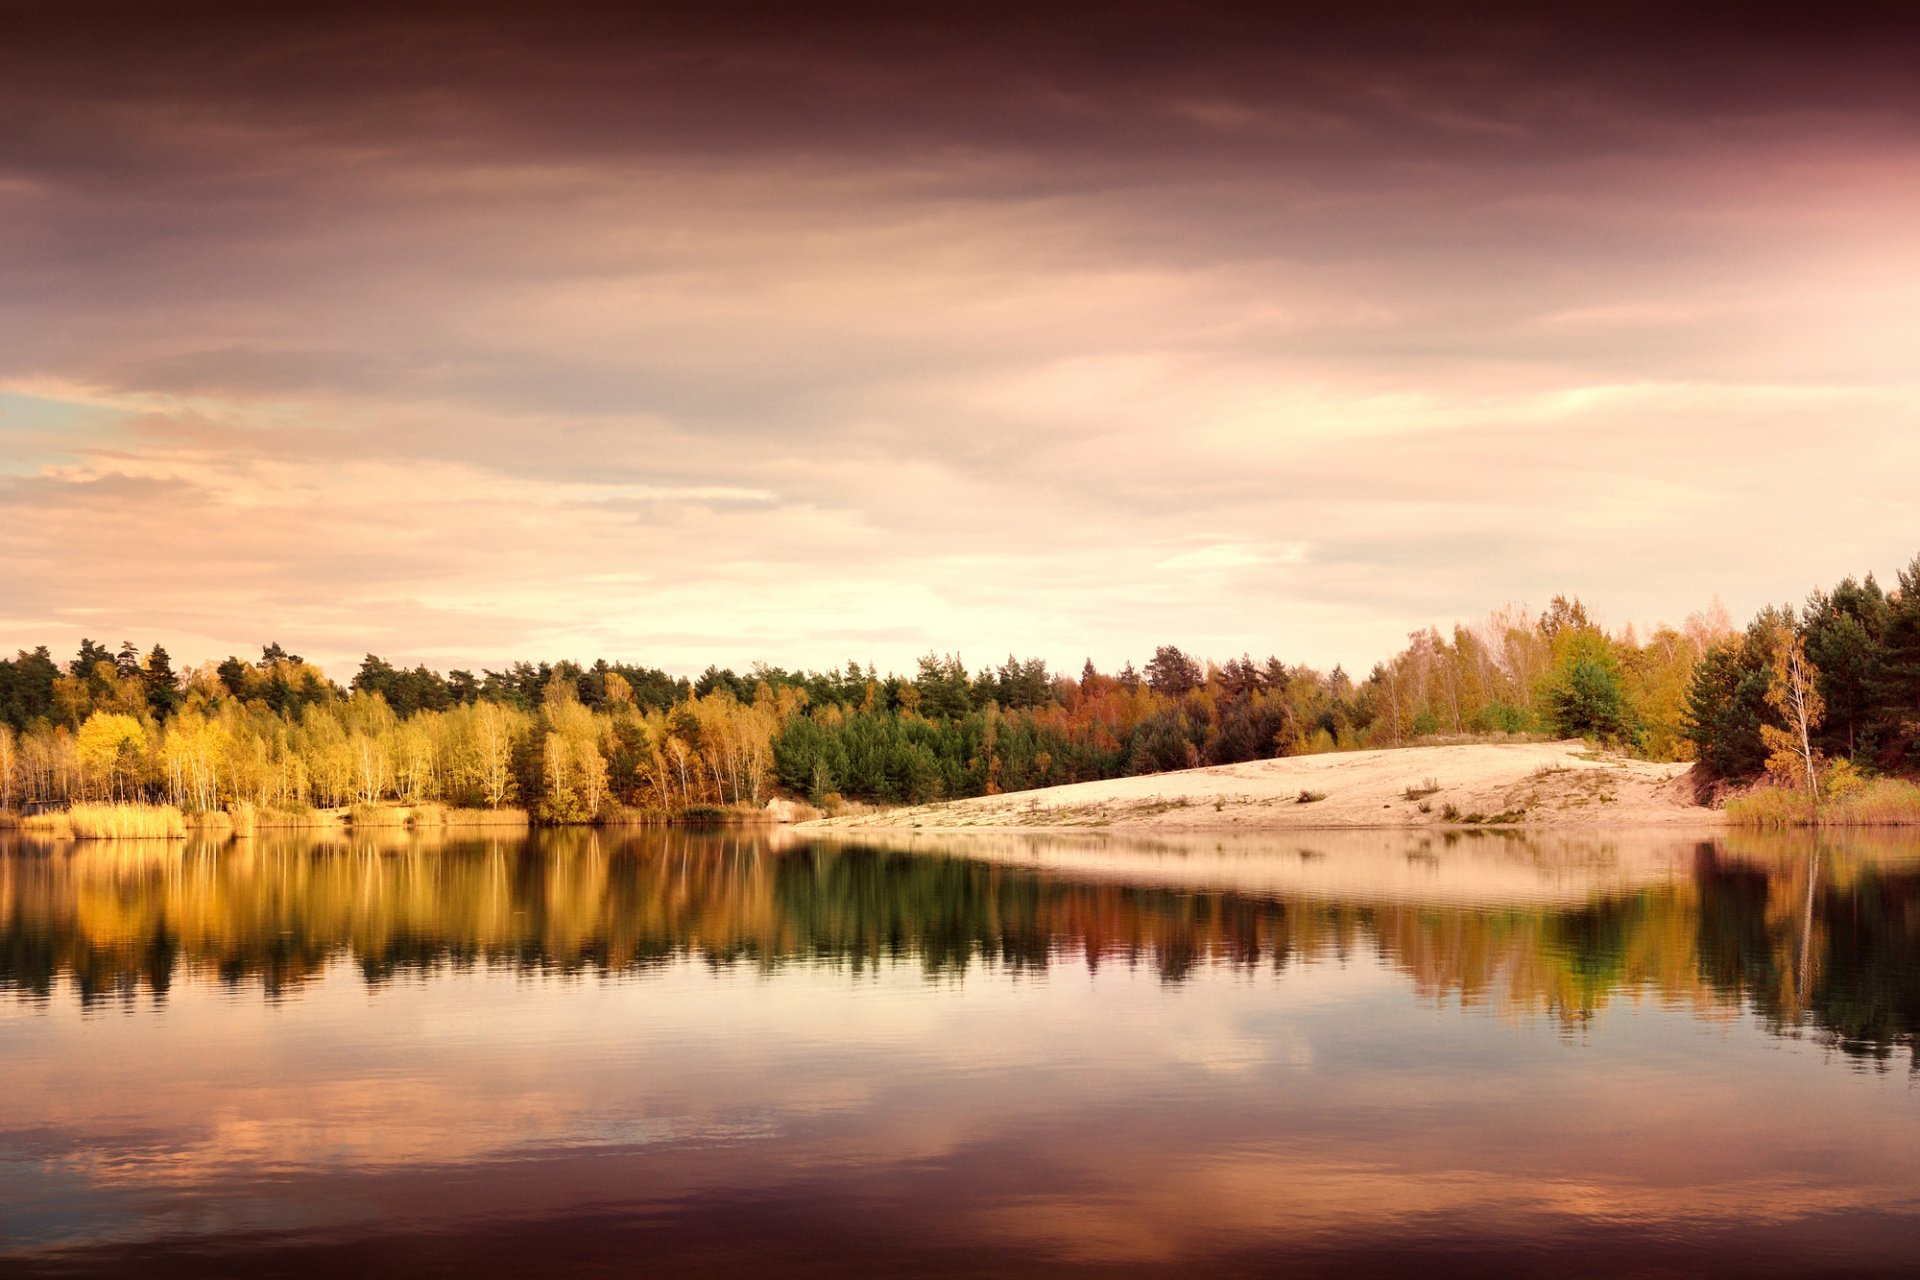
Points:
x=1822, y=938
x=960, y=1055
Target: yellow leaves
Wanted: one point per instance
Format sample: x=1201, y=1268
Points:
x=1793, y=692
x=1785, y=763
x=1843, y=780
x=112, y=749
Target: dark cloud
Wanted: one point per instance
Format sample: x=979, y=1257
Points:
x=148, y=94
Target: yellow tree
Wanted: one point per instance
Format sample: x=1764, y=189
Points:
x=1794, y=693
x=193, y=752
x=9, y=765
x=111, y=746
x=484, y=756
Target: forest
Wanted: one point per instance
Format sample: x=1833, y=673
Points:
x=575, y=743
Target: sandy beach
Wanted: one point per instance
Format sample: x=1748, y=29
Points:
x=1519, y=783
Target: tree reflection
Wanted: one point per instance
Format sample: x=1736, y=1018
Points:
x=1818, y=941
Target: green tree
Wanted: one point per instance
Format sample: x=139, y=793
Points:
x=1586, y=693
x=1727, y=705
x=1895, y=683
x=1844, y=632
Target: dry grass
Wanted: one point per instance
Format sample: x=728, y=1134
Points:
x=430, y=816
x=111, y=822
x=721, y=815
x=297, y=819
x=837, y=806
x=1881, y=802
x=1770, y=808
x=8, y=819
x=54, y=826
x=484, y=817
x=620, y=815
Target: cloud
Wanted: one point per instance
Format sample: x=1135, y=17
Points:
x=712, y=335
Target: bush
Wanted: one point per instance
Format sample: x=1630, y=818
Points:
x=1843, y=780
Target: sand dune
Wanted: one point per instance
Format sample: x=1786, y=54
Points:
x=1528, y=783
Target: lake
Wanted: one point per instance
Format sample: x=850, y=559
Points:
x=606, y=1052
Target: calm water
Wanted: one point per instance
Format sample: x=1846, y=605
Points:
x=587, y=1053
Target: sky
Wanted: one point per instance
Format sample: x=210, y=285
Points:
x=467, y=333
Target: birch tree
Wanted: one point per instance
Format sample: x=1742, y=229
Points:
x=1794, y=693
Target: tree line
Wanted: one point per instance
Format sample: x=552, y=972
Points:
x=577, y=743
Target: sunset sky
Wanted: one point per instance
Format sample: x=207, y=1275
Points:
x=677, y=334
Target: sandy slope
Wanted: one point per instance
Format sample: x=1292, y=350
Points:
x=1532, y=782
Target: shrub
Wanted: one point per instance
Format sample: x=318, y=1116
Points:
x=1842, y=780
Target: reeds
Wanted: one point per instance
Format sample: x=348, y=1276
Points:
x=110, y=822
x=430, y=816
x=1883, y=802
x=484, y=817
x=295, y=819
x=1880, y=802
